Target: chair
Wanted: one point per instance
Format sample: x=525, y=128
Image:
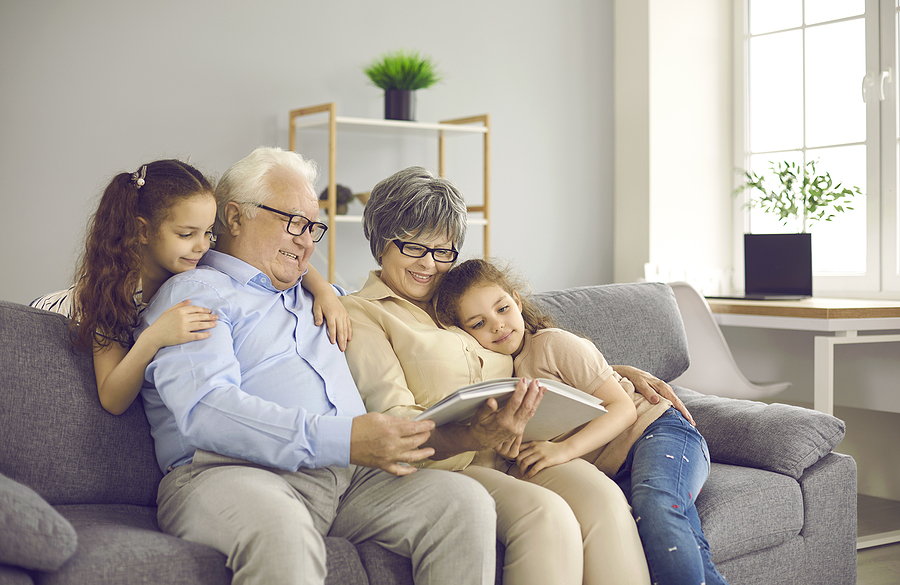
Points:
x=713, y=369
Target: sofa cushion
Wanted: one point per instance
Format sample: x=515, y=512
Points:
x=777, y=437
x=744, y=510
x=14, y=576
x=56, y=437
x=654, y=339
x=32, y=534
x=121, y=543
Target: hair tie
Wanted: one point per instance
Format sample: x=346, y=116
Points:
x=137, y=177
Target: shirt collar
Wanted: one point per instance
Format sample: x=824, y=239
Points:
x=375, y=289
x=239, y=270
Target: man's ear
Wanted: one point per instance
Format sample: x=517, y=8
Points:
x=233, y=217
x=143, y=230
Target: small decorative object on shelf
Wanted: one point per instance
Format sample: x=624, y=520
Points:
x=344, y=197
x=400, y=74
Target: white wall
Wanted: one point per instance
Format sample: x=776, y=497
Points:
x=94, y=88
x=673, y=96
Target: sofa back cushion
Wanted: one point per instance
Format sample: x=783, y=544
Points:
x=635, y=324
x=54, y=435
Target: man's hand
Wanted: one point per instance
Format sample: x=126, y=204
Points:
x=652, y=388
x=493, y=427
x=388, y=442
x=509, y=449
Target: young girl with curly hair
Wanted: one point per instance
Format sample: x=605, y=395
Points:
x=650, y=450
x=150, y=225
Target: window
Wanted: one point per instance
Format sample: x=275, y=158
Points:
x=820, y=79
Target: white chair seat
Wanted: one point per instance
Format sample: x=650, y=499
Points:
x=713, y=369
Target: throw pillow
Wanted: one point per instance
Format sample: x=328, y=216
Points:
x=776, y=437
x=32, y=534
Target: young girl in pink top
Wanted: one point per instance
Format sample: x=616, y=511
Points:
x=651, y=451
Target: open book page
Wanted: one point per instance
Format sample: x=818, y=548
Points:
x=562, y=409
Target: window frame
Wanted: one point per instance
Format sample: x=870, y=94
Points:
x=882, y=277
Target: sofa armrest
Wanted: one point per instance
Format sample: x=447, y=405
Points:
x=32, y=534
x=775, y=437
x=829, y=488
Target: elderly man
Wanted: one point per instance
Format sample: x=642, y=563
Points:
x=260, y=428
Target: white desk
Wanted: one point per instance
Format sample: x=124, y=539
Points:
x=835, y=322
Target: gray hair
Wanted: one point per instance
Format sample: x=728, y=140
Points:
x=411, y=203
x=250, y=181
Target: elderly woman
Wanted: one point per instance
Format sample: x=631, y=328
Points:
x=568, y=524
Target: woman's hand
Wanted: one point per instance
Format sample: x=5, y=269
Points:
x=181, y=323
x=493, y=427
x=538, y=455
x=329, y=310
x=652, y=388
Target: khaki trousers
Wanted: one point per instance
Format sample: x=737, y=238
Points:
x=569, y=524
x=270, y=523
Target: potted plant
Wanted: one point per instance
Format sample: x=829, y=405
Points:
x=400, y=74
x=797, y=193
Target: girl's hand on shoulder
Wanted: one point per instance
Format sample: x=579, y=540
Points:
x=182, y=323
x=538, y=455
x=329, y=310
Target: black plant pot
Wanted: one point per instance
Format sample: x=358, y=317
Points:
x=399, y=104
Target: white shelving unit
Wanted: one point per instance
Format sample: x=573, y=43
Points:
x=325, y=116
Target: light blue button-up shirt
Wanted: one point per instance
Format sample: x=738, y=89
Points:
x=267, y=386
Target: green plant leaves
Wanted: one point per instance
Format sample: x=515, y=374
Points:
x=798, y=193
x=402, y=70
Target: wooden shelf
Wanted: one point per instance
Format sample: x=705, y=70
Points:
x=324, y=117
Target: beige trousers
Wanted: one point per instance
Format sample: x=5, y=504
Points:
x=270, y=523
x=569, y=524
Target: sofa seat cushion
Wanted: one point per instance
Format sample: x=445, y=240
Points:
x=744, y=510
x=777, y=437
x=121, y=543
x=14, y=576
x=32, y=534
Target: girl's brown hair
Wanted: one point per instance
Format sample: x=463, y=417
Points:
x=110, y=268
x=478, y=272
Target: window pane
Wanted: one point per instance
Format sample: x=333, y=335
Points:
x=823, y=10
x=839, y=246
x=771, y=15
x=776, y=91
x=835, y=67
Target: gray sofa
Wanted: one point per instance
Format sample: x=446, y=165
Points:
x=78, y=486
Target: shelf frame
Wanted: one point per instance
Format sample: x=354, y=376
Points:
x=304, y=118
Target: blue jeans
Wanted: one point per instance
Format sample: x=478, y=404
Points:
x=661, y=477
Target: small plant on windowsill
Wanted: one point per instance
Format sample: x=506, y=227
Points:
x=798, y=193
x=399, y=74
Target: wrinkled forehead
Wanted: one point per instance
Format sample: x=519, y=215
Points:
x=293, y=192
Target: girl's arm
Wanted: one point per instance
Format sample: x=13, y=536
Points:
x=327, y=308
x=120, y=371
x=620, y=415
